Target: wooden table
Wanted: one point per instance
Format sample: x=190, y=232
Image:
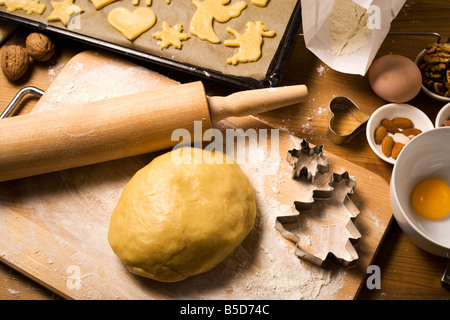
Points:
x=407, y=272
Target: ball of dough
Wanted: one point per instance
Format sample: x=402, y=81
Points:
x=174, y=220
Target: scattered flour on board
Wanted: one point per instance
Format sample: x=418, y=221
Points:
x=320, y=70
x=54, y=69
x=92, y=84
x=282, y=275
x=12, y=291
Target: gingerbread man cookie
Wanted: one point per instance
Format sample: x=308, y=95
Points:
x=249, y=43
x=210, y=10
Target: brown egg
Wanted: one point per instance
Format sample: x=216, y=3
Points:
x=395, y=78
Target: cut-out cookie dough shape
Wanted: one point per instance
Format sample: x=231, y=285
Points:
x=132, y=23
x=260, y=3
x=210, y=10
x=249, y=43
x=147, y=2
x=171, y=36
x=63, y=10
x=98, y=4
x=29, y=6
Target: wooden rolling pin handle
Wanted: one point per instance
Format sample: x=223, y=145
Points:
x=255, y=101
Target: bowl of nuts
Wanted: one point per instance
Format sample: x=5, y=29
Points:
x=392, y=126
x=434, y=64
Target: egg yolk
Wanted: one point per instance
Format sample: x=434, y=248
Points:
x=431, y=198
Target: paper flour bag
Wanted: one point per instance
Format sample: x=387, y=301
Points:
x=347, y=34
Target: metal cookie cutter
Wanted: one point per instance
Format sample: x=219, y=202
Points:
x=345, y=120
x=16, y=100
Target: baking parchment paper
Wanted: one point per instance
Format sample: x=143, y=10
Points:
x=316, y=32
x=195, y=52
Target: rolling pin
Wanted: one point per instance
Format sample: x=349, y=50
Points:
x=121, y=127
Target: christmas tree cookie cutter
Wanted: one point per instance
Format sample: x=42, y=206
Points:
x=323, y=228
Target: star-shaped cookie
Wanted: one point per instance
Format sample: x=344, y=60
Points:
x=171, y=36
x=63, y=10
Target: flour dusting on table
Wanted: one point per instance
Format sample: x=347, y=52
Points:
x=282, y=275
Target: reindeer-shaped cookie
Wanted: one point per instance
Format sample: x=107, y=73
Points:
x=249, y=43
x=210, y=10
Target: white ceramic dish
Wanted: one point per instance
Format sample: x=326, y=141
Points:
x=390, y=111
x=419, y=60
x=443, y=115
x=425, y=156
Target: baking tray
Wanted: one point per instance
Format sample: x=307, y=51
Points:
x=272, y=78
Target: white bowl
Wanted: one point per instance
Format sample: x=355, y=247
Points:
x=425, y=156
x=390, y=111
x=419, y=60
x=443, y=115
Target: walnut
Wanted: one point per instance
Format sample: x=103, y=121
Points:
x=39, y=46
x=14, y=62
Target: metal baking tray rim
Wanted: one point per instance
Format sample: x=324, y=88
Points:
x=273, y=75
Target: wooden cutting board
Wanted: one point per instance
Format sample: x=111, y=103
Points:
x=53, y=227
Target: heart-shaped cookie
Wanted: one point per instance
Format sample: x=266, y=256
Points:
x=132, y=23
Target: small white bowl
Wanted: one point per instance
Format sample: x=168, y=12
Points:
x=390, y=111
x=428, y=155
x=419, y=60
x=443, y=115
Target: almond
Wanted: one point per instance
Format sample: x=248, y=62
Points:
x=380, y=133
x=386, y=145
x=396, y=149
x=390, y=126
x=411, y=132
x=447, y=123
x=403, y=123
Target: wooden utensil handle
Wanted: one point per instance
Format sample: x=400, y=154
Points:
x=255, y=101
x=104, y=130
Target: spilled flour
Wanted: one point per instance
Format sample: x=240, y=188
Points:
x=91, y=84
x=281, y=274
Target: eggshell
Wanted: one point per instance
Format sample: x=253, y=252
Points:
x=395, y=78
